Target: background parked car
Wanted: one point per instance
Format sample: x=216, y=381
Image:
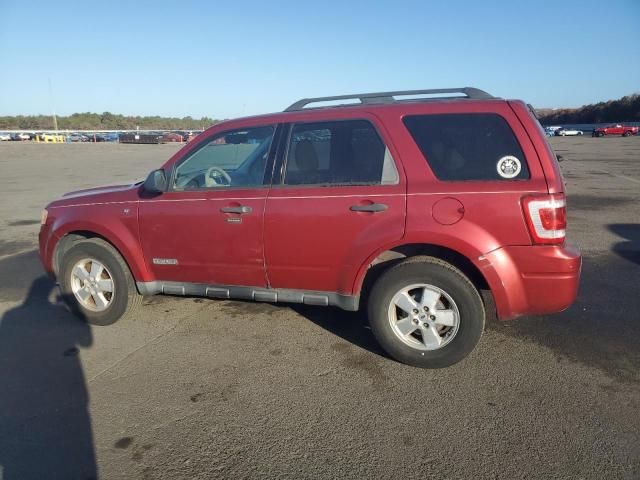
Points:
x=111, y=137
x=551, y=130
x=5, y=137
x=19, y=137
x=103, y=137
x=566, y=132
x=77, y=137
x=615, y=129
x=171, y=137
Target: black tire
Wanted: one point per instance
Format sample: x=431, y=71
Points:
x=436, y=272
x=126, y=298
x=626, y=134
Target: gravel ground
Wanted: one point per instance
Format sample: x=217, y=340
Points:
x=196, y=388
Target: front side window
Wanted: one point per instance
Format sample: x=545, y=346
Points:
x=469, y=146
x=236, y=158
x=338, y=153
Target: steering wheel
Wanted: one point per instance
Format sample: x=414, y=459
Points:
x=217, y=174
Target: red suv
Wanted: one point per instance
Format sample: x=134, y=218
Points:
x=403, y=203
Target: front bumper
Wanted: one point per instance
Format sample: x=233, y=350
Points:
x=46, y=242
x=532, y=280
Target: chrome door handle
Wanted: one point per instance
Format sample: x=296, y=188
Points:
x=242, y=209
x=373, y=207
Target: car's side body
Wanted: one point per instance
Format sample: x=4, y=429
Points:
x=308, y=244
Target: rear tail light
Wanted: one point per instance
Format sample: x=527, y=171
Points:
x=546, y=217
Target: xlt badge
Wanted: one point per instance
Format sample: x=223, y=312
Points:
x=165, y=261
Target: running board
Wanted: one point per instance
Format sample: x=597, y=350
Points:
x=272, y=295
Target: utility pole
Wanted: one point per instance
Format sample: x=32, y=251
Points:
x=53, y=111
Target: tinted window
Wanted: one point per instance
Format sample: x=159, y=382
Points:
x=231, y=159
x=343, y=153
x=478, y=146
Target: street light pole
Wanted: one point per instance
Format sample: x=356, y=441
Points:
x=53, y=111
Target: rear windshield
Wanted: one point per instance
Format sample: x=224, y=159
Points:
x=469, y=146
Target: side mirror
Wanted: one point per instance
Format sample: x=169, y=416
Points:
x=156, y=182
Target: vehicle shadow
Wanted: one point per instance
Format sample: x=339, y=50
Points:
x=628, y=249
x=350, y=326
x=601, y=329
x=45, y=426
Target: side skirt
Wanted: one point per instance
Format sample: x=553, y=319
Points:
x=273, y=295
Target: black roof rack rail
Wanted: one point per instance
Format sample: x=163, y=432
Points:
x=388, y=97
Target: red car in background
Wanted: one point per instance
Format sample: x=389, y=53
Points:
x=171, y=137
x=615, y=129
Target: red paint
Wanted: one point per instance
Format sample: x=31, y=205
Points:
x=308, y=238
x=189, y=227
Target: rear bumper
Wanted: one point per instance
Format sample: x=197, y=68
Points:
x=532, y=280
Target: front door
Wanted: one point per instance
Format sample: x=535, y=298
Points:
x=208, y=227
x=340, y=197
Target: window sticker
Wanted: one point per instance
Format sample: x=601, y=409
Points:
x=509, y=167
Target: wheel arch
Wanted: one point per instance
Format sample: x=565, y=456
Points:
x=69, y=238
x=388, y=257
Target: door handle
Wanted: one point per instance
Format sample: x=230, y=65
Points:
x=242, y=209
x=372, y=207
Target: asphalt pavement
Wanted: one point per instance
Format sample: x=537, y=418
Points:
x=198, y=388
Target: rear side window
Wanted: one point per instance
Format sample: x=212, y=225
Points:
x=470, y=146
x=338, y=153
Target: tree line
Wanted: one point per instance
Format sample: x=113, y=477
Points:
x=103, y=121
x=626, y=109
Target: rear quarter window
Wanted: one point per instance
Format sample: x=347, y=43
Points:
x=470, y=146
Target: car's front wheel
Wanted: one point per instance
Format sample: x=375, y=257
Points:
x=426, y=313
x=96, y=282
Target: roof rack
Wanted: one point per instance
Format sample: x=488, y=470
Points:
x=388, y=97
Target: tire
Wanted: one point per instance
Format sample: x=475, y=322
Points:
x=456, y=293
x=97, y=309
x=626, y=134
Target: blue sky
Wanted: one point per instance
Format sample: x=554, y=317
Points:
x=231, y=58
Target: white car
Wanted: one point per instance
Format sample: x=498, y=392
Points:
x=565, y=132
x=5, y=137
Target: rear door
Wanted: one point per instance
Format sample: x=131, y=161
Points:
x=339, y=196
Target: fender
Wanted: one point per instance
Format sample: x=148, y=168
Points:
x=121, y=232
x=494, y=264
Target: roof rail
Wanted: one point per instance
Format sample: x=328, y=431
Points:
x=388, y=97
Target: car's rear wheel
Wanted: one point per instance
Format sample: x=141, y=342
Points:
x=626, y=134
x=426, y=313
x=96, y=282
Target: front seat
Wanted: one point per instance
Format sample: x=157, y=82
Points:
x=306, y=160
